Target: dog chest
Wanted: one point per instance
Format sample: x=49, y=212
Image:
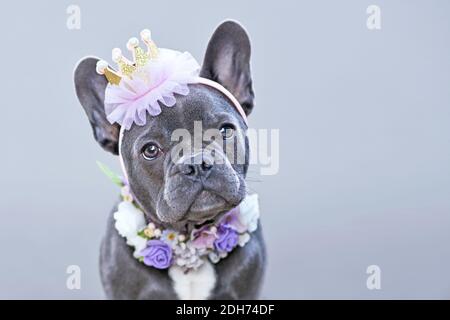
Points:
x=194, y=285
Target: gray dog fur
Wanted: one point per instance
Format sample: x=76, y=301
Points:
x=165, y=193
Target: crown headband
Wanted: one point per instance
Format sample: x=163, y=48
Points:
x=154, y=77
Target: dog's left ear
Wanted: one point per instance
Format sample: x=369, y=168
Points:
x=227, y=61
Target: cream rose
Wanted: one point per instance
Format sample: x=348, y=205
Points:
x=129, y=220
x=249, y=212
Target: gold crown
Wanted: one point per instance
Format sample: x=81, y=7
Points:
x=126, y=67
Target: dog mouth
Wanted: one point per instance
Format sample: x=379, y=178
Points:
x=206, y=223
x=206, y=208
x=206, y=202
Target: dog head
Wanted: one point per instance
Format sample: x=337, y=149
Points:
x=185, y=181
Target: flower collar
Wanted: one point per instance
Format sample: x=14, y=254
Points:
x=162, y=249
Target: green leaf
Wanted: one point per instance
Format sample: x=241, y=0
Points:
x=110, y=174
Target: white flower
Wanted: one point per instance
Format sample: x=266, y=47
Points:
x=198, y=263
x=181, y=262
x=138, y=243
x=249, y=212
x=243, y=239
x=213, y=257
x=187, y=256
x=129, y=220
x=170, y=237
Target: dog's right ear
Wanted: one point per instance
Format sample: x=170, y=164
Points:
x=90, y=88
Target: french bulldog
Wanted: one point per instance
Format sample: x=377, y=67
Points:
x=181, y=195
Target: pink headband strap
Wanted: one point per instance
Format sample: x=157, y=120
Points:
x=227, y=93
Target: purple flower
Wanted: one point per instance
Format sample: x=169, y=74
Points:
x=158, y=254
x=203, y=238
x=227, y=238
x=231, y=218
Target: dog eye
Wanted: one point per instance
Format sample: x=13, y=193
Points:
x=151, y=151
x=227, y=131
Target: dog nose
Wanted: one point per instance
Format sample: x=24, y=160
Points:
x=197, y=165
x=195, y=169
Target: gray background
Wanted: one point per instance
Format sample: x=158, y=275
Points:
x=364, y=123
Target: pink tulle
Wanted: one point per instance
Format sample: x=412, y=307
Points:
x=157, y=82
